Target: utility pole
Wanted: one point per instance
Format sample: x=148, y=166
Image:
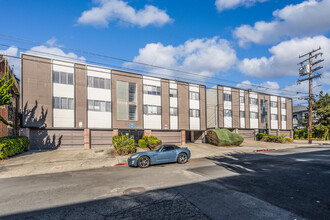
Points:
x=308, y=69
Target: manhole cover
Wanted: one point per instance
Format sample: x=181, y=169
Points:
x=134, y=190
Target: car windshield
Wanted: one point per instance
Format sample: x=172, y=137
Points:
x=158, y=148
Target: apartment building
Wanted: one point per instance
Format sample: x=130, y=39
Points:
x=68, y=104
x=247, y=112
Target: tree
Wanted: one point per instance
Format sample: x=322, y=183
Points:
x=5, y=95
x=322, y=109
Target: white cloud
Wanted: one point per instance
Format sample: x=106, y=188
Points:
x=284, y=59
x=54, y=52
x=50, y=50
x=111, y=10
x=231, y=4
x=202, y=56
x=305, y=19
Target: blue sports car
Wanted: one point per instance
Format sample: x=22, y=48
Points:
x=161, y=154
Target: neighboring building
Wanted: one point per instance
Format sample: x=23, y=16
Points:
x=62, y=102
x=247, y=113
x=9, y=112
x=301, y=112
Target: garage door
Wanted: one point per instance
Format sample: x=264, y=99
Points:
x=53, y=139
x=247, y=134
x=168, y=137
x=101, y=138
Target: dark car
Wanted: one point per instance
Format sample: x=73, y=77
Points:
x=161, y=154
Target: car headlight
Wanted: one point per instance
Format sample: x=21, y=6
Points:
x=134, y=156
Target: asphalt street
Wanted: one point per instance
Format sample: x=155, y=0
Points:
x=281, y=184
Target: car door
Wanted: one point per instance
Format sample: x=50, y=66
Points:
x=168, y=154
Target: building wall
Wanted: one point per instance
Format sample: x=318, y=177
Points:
x=247, y=109
x=220, y=106
x=202, y=93
x=242, y=120
x=36, y=83
x=254, y=122
x=274, y=110
x=183, y=105
x=174, y=120
x=194, y=122
x=165, y=104
x=235, y=107
x=81, y=96
x=212, y=107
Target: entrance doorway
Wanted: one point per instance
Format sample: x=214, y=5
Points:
x=135, y=134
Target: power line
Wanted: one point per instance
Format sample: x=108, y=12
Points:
x=140, y=63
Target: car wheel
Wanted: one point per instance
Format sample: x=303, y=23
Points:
x=182, y=158
x=144, y=162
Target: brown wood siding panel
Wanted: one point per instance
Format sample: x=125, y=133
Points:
x=165, y=103
x=246, y=134
x=202, y=100
x=168, y=137
x=133, y=78
x=235, y=107
x=273, y=132
x=36, y=91
x=81, y=95
x=247, y=109
x=289, y=114
x=54, y=139
x=279, y=111
x=101, y=138
x=220, y=106
x=286, y=133
x=183, y=105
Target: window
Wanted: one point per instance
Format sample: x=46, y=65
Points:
x=126, y=101
x=63, y=78
x=254, y=115
x=193, y=95
x=242, y=114
x=168, y=148
x=151, y=90
x=264, y=110
x=99, y=106
x=152, y=110
x=96, y=82
x=227, y=113
x=283, y=105
x=174, y=111
x=241, y=99
x=173, y=93
x=227, y=97
x=273, y=104
x=274, y=117
x=253, y=101
x=283, y=117
x=63, y=103
x=194, y=113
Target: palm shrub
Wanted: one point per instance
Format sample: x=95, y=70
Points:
x=123, y=145
x=12, y=145
x=150, y=142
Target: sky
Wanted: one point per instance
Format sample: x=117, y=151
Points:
x=250, y=44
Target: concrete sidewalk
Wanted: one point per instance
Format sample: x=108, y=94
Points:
x=42, y=162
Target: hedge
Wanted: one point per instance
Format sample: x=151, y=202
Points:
x=273, y=138
x=223, y=137
x=12, y=145
x=150, y=142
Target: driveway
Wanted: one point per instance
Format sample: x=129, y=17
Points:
x=56, y=161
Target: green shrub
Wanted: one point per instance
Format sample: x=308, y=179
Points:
x=123, y=145
x=223, y=137
x=12, y=145
x=288, y=140
x=151, y=142
x=142, y=143
x=261, y=135
x=281, y=138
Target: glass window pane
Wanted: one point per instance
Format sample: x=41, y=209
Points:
x=132, y=112
x=64, y=78
x=64, y=103
x=90, y=105
x=107, y=84
x=56, y=102
x=122, y=111
x=102, y=106
x=90, y=81
x=108, y=106
x=102, y=83
x=97, y=105
x=122, y=91
x=56, y=77
x=70, y=78
x=71, y=103
x=132, y=92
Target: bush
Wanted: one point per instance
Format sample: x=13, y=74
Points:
x=261, y=135
x=123, y=145
x=12, y=145
x=142, y=143
x=288, y=139
x=223, y=137
x=150, y=141
x=273, y=138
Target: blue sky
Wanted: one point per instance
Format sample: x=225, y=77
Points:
x=245, y=41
